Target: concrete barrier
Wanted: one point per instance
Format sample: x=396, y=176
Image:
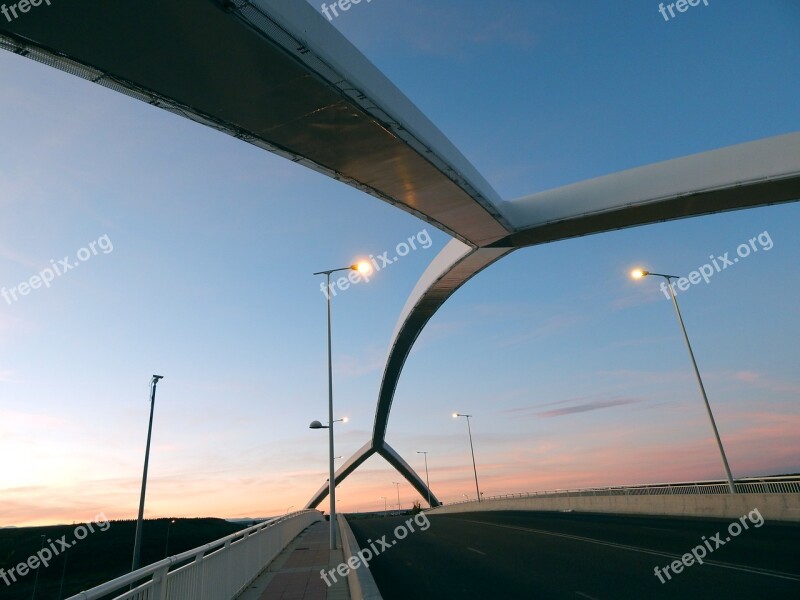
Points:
x=362, y=584
x=773, y=507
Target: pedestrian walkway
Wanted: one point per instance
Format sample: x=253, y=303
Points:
x=294, y=574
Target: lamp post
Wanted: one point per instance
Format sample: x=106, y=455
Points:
x=166, y=546
x=474, y=468
x=287, y=510
x=384, y=504
x=63, y=576
x=364, y=268
x=427, y=481
x=638, y=274
x=331, y=484
x=398, y=496
x=137, y=545
x=36, y=579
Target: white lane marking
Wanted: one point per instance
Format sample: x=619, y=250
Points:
x=478, y=551
x=757, y=571
x=585, y=595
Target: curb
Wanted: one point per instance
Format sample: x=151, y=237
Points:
x=362, y=584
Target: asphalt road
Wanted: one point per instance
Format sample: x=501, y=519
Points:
x=580, y=556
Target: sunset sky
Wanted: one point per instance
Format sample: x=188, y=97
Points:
x=575, y=374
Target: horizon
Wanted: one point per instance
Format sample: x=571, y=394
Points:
x=193, y=255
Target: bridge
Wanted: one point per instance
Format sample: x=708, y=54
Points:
x=320, y=103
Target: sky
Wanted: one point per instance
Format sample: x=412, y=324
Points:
x=195, y=255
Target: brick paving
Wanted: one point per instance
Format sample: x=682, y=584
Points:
x=294, y=574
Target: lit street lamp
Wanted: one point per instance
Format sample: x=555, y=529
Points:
x=638, y=274
x=166, y=546
x=427, y=481
x=363, y=268
x=137, y=545
x=474, y=468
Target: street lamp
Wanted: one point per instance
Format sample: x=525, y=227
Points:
x=363, y=268
x=166, y=546
x=474, y=468
x=398, y=496
x=384, y=504
x=427, y=481
x=331, y=480
x=287, y=510
x=639, y=274
x=137, y=545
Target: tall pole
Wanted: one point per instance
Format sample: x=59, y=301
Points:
x=361, y=267
x=472, y=450
x=731, y=485
x=427, y=481
x=384, y=503
x=137, y=546
x=36, y=579
x=331, y=480
x=63, y=575
x=398, y=496
x=166, y=546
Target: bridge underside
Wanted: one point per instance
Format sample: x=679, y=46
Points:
x=278, y=75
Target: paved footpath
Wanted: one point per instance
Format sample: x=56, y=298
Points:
x=294, y=574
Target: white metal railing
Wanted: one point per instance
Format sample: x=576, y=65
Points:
x=761, y=485
x=217, y=571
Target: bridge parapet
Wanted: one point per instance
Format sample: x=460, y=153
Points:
x=218, y=570
x=777, y=498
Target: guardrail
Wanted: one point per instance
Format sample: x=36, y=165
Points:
x=216, y=571
x=763, y=485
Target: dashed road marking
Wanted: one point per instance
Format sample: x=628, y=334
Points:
x=754, y=570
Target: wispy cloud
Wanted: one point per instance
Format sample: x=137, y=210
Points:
x=547, y=327
x=574, y=405
x=350, y=365
x=588, y=406
x=467, y=29
x=758, y=380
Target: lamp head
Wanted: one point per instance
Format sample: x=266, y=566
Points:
x=639, y=273
x=317, y=425
x=363, y=267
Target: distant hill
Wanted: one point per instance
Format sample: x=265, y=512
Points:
x=100, y=556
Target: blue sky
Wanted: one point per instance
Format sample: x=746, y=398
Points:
x=576, y=375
